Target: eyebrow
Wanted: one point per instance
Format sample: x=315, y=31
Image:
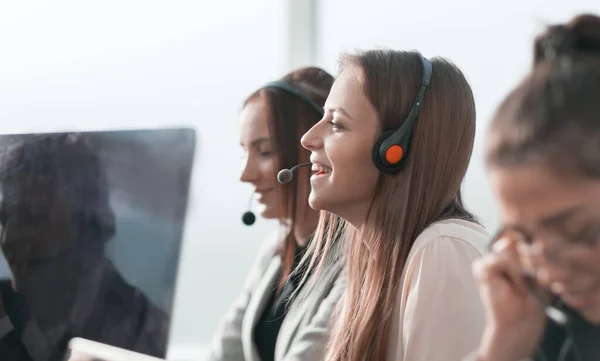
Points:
x=561, y=216
x=340, y=110
x=257, y=141
x=555, y=221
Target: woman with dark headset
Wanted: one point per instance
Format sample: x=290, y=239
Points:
x=543, y=156
x=266, y=323
x=410, y=242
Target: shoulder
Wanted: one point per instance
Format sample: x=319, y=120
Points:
x=446, y=249
x=438, y=292
x=439, y=268
x=265, y=254
x=124, y=316
x=124, y=301
x=452, y=233
x=269, y=245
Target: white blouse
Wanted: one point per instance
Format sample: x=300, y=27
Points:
x=438, y=314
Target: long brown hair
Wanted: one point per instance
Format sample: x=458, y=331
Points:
x=290, y=117
x=553, y=116
x=427, y=190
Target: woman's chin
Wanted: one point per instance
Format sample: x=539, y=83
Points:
x=268, y=212
x=315, y=202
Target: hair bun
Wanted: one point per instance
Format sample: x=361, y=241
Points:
x=580, y=36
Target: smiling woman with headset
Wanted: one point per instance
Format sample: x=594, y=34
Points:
x=267, y=322
x=543, y=157
x=389, y=157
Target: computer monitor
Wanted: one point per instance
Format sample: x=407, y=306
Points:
x=91, y=226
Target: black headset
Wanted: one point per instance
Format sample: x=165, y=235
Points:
x=248, y=218
x=392, y=148
x=281, y=85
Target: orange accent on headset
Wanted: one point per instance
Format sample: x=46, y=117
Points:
x=394, y=154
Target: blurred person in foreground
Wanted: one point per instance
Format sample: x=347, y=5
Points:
x=543, y=155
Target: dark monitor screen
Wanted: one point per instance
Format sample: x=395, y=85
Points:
x=91, y=232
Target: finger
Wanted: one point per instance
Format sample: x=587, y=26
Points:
x=530, y=256
x=536, y=270
x=507, y=246
x=492, y=268
x=495, y=293
x=507, y=249
x=502, y=244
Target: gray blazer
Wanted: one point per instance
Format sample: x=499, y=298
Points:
x=305, y=330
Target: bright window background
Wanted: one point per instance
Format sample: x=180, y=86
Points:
x=73, y=65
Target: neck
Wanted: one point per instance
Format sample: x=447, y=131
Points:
x=356, y=217
x=353, y=212
x=52, y=303
x=305, y=227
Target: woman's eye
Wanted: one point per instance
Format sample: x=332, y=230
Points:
x=335, y=125
x=588, y=237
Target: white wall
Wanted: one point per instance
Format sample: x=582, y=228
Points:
x=490, y=41
x=114, y=64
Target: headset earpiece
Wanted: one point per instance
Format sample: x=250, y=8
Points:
x=392, y=148
x=390, y=157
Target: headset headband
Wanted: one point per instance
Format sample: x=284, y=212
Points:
x=393, y=146
x=286, y=87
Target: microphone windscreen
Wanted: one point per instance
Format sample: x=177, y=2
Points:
x=284, y=176
x=248, y=218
